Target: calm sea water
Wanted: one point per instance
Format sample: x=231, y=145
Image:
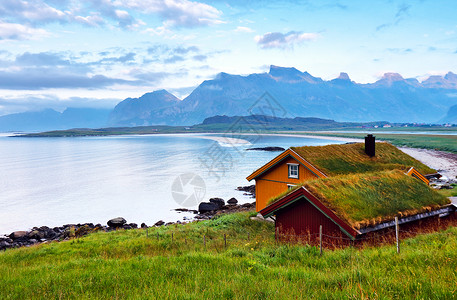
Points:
x=56, y=181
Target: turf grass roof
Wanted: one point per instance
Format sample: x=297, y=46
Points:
x=351, y=158
x=368, y=199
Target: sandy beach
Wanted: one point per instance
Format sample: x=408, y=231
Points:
x=444, y=162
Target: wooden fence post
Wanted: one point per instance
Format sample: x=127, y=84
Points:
x=172, y=237
x=225, y=241
x=320, y=239
x=396, y=234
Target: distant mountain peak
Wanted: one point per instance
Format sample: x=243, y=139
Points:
x=292, y=75
x=388, y=79
x=159, y=95
x=392, y=76
x=451, y=77
x=344, y=76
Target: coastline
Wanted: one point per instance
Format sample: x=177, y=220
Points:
x=444, y=162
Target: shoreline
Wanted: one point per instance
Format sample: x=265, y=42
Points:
x=444, y=162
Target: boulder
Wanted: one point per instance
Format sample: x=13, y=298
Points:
x=36, y=234
x=133, y=225
x=116, y=222
x=247, y=205
x=18, y=234
x=232, y=201
x=204, y=207
x=218, y=201
x=159, y=223
x=4, y=245
x=143, y=225
x=83, y=230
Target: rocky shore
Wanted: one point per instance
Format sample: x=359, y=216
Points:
x=45, y=234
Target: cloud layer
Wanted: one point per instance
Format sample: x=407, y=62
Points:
x=22, y=19
x=283, y=40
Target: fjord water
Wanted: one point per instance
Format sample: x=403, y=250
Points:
x=56, y=181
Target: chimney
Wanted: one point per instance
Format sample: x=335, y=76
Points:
x=370, y=145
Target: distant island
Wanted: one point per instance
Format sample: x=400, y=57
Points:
x=241, y=124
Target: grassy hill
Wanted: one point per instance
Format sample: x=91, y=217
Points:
x=131, y=264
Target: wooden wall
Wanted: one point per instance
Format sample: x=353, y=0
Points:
x=274, y=181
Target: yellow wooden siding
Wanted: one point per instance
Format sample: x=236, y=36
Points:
x=274, y=181
x=415, y=173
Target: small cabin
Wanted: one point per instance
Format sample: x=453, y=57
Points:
x=297, y=165
x=351, y=207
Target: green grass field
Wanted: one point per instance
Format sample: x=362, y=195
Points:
x=131, y=265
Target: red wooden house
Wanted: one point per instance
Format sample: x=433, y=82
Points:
x=353, y=206
x=300, y=164
x=350, y=190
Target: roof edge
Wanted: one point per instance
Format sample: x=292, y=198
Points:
x=281, y=157
x=302, y=191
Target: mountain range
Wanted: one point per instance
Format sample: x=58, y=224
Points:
x=50, y=119
x=293, y=93
x=282, y=92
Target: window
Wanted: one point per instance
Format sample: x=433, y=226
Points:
x=290, y=186
x=293, y=170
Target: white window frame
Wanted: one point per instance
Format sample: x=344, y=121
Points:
x=291, y=186
x=289, y=170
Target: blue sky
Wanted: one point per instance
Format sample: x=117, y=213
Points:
x=94, y=53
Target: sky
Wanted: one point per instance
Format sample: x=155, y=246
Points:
x=95, y=53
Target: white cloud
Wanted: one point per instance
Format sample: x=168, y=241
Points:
x=283, y=40
x=177, y=12
x=13, y=31
x=31, y=11
x=244, y=29
x=92, y=20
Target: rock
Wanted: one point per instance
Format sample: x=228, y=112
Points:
x=18, y=234
x=250, y=190
x=232, y=201
x=247, y=205
x=204, y=207
x=33, y=241
x=446, y=186
x=159, y=223
x=69, y=232
x=133, y=225
x=127, y=226
x=272, y=149
x=36, y=234
x=83, y=230
x=218, y=201
x=181, y=209
x=4, y=245
x=116, y=222
x=143, y=225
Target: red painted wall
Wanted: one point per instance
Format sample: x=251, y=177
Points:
x=301, y=218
